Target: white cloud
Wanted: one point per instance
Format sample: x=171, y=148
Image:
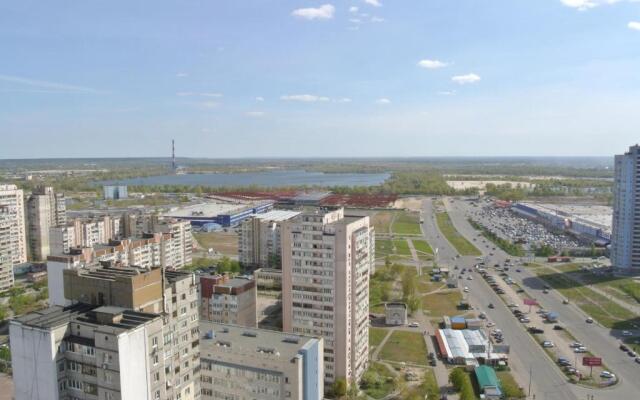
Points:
x=203, y=94
x=182, y=74
x=305, y=98
x=210, y=104
x=583, y=5
x=353, y=9
x=447, y=93
x=259, y=98
x=383, y=101
x=343, y=100
x=432, y=64
x=325, y=11
x=375, y=3
x=45, y=86
x=464, y=79
x=635, y=25
x=255, y=114
x=377, y=19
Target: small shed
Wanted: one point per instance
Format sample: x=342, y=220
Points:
x=458, y=323
x=488, y=382
x=395, y=313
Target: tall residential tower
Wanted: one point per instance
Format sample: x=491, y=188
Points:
x=45, y=209
x=625, y=238
x=326, y=262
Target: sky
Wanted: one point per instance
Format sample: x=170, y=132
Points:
x=328, y=78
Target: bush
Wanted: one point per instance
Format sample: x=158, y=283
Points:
x=462, y=383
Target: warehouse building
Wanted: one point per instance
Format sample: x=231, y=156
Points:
x=223, y=214
x=469, y=347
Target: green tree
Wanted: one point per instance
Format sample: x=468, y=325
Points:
x=339, y=387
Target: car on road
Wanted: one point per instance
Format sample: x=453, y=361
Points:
x=490, y=324
x=607, y=374
x=575, y=344
x=627, y=333
x=546, y=287
x=513, y=305
x=545, y=291
x=491, y=306
x=565, y=301
x=580, y=350
x=589, y=320
x=525, y=320
x=414, y=325
x=548, y=344
x=632, y=353
x=482, y=316
x=518, y=270
x=535, y=331
x=466, y=289
x=469, y=278
x=624, y=348
x=557, y=327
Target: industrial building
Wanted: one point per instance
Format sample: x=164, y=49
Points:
x=590, y=223
x=395, y=314
x=469, y=347
x=115, y=192
x=228, y=300
x=326, y=263
x=259, y=239
x=224, y=214
x=242, y=363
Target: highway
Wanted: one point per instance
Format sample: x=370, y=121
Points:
x=547, y=382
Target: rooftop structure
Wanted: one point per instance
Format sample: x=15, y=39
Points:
x=467, y=347
x=225, y=214
x=488, y=382
x=230, y=301
x=277, y=365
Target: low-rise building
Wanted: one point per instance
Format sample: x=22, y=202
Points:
x=228, y=300
x=242, y=363
x=268, y=278
x=395, y=313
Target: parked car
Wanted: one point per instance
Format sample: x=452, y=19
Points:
x=557, y=327
x=607, y=374
x=589, y=320
x=535, y=331
x=414, y=325
x=580, y=350
x=624, y=348
x=491, y=305
x=548, y=344
x=565, y=301
x=627, y=333
x=575, y=344
x=632, y=353
x=638, y=360
x=466, y=289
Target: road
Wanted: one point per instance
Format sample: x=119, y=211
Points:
x=548, y=381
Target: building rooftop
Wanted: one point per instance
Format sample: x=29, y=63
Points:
x=486, y=377
x=250, y=340
x=206, y=210
x=277, y=215
x=597, y=215
x=55, y=316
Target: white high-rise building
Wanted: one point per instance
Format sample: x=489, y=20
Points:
x=326, y=263
x=259, y=239
x=6, y=264
x=625, y=237
x=45, y=209
x=12, y=199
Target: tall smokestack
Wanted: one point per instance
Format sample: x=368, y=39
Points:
x=173, y=156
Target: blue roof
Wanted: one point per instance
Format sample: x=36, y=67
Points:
x=458, y=320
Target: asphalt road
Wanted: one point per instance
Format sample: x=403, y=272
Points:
x=547, y=380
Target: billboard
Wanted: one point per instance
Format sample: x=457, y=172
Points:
x=530, y=302
x=592, y=361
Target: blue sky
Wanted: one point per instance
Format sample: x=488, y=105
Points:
x=256, y=78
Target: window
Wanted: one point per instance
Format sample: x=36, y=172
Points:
x=154, y=341
x=156, y=376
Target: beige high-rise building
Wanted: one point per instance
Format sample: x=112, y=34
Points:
x=45, y=209
x=6, y=264
x=84, y=233
x=12, y=199
x=326, y=263
x=259, y=239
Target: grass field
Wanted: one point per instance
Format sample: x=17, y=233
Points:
x=625, y=289
x=510, y=387
x=437, y=305
x=376, y=335
x=462, y=245
x=382, y=221
x=384, y=247
x=422, y=246
x=222, y=242
x=384, y=381
x=402, y=247
x=428, y=389
x=406, y=223
x=600, y=308
x=405, y=346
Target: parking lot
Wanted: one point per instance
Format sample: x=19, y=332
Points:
x=509, y=225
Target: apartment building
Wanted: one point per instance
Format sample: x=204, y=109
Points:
x=87, y=352
x=84, y=233
x=625, y=237
x=6, y=263
x=259, y=239
x=150, y=251
x=228, y=300
x=242, y=363
x=45, y=209
x=326, y=263
x=12, y=199
x=169, y=293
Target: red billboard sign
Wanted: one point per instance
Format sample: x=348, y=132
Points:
x=530, y=302
x=592, y=361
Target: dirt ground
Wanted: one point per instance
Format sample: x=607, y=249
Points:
x=412, y=203
x=6, y=385
x=225, y=243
